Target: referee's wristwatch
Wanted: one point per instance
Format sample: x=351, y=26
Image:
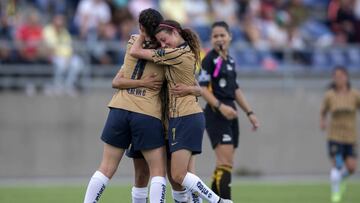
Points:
x=218, y=104
x=249, y=113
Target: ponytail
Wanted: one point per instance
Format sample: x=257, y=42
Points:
x=193, y=41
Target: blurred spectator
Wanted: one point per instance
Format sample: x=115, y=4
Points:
x=264, y=32
x=225, y=10
x=51, y=6
x=29, y=39
x=198, y=17
x=89, y=15
x=343, y=21
x=67, y=65
x=103, y=49
x=297, y=12
x=136, y=6
x=178, y=14
x=357, y=9
x=6, y=38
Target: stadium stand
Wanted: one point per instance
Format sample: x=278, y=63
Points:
x=268, y=35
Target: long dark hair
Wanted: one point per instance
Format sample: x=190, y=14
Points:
x=164, y=97
x=150, y=19
x=187, y=34
x=343, y=70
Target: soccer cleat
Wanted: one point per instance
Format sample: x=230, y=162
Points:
x=336, y=197
x=225, y=201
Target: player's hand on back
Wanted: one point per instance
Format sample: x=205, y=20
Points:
x=180, y=90
x=151, y=81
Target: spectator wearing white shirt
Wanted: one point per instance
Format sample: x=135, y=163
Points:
x=90, y=14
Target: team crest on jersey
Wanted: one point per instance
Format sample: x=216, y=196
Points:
x=229, y=67
x=222, y=83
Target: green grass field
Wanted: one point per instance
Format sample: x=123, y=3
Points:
x=242, y=193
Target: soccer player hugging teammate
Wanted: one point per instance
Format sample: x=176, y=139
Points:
x=220, y=90
x=148, y=21
x=179, y=54
x=342, y=102
x=134, y=118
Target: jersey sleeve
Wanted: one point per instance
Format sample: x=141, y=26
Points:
x=207, y=67
x=169, y=56
x=131, y=41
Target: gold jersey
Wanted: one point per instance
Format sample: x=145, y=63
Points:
x=180, y=68
x=343, y=109
x=141, y=100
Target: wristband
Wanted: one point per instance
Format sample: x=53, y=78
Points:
x=249, y=113
x=218, y=104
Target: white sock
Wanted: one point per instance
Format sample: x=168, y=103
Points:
x=139, y=194
x=335, y=178
x=194, y=198
x=195, y=185
x=180, y=196
x=95, y=187
x=157, y=189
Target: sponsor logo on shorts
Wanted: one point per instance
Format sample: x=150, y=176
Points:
x=174, y=143
x=226, y=138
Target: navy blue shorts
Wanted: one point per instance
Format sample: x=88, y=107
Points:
x=221, y=130
x=344, y=150
x=123, y=128
x=131, y=153
x=186, y=132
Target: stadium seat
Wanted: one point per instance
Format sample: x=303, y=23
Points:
x=353, y=55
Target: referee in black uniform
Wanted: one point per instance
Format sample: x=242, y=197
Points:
x=220, y=89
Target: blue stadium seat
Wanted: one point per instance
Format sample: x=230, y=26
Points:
x=248, y=58
x=320, y=60
x=353, y=55
x=337, y=57
x=204, y=32
x=237, y=34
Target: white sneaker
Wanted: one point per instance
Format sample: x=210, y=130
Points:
x=225, y=201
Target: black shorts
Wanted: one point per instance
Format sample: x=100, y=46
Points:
x=219, y=129
x=186, y=132
x=123, y=127
x=344, y=150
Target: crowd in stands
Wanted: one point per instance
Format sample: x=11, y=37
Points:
x=266, y=33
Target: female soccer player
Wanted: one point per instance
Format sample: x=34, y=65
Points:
x=180, y=53
x=220, y=90
x=134, y=118
x=342, y=102
x=149, y=19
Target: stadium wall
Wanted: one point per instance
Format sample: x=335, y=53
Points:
x=42, y=136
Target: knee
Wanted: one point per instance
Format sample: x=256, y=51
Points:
x=177, y=176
